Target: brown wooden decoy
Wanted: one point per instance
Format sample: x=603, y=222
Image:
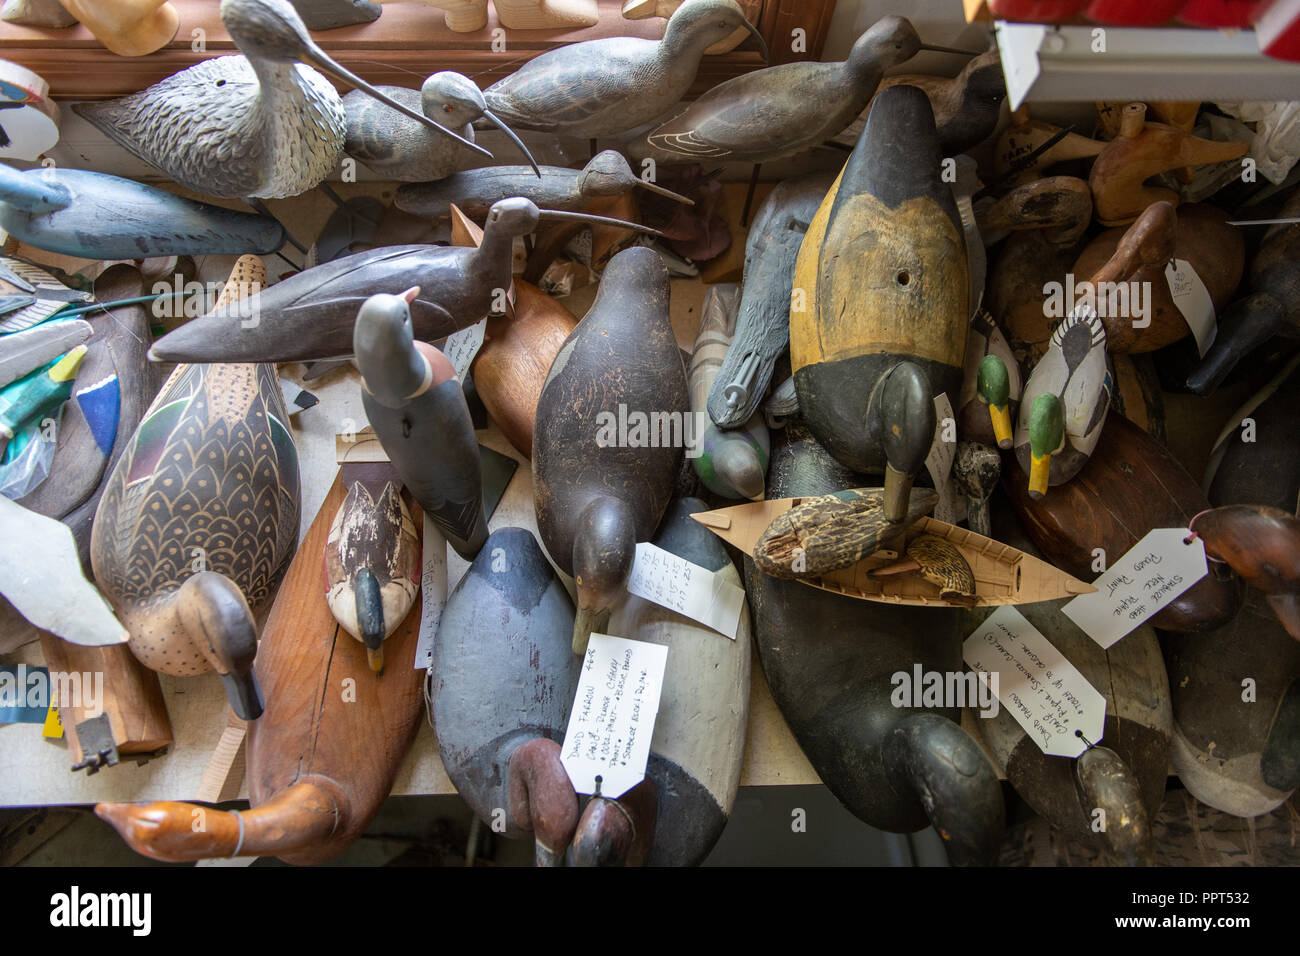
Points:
x=1059, y=206
x=1262, y=546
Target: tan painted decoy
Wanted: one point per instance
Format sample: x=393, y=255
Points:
x=1025, y=135
x=547, y=14
x=645, y=9
x=461, y=16
x=127, y=27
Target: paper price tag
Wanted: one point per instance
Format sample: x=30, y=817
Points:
x=461, y=347
x=613, y=715
x=1148, y=577
x=1193, y=301
x=53, y=726
x=939, y=461
x=1043, y=691
x=433, y=584
x=677, y=584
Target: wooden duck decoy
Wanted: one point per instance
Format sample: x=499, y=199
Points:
x=782, y=110
x=828, y=660
x=867, y=366
x=604, y=87
x=1262, y=546
x=474, y=191
x=1060, y=206
x=1024, y=136
x=319, y=763
x=594, y=498
x=1140, y=151
x=976, y=470
x=94, y=216
x=199, y=518
x=991, y=386
x=546, y=14
x=1269, y=469
x=399, y=148
x=127, y=27
x=460, y=16
x=1130, y=485
x=414, y=403
x=251, y=126
x=763, y=322
x=966, y=107
x=731, y=463
x=508, y=623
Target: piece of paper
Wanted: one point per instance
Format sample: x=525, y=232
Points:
x=1193, y=301
x=677, y=584
x=1060, y=711
x=1146, y=579
x=461, y=347
x=939, y=461
x=433, y=587
x=607, y=742
x=53, y=726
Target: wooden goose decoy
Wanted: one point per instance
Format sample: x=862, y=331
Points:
x=415, y=403
x=396, y=147
x=604, y=87
x=966, y=107
x=127, y=27
x=199, y=518
x=884, y=276
x=597, y=492
x=91, y=215
x=252, y=126
x=508, y=624
x=320, y=763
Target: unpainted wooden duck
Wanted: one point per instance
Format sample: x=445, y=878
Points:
x=599, y=487
x=199, y=518
x=127, y=27
x=1025, y=135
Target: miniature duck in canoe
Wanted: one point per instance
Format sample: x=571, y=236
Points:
x=601, y=481
x=199, y=518
x=880, y=301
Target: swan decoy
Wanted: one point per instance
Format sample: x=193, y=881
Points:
x=253, y=126
x=311, y=314
x=782, y=110
x=414, y=403
x=95, y=216
x=604, y=87
x=508, y=624
x=600, y=487
x=199, y=518
x=127, y=27
x=399, y=148
x=884, y=280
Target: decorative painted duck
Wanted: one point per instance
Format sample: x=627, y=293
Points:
x=199, y=518
x=867, y=367
x=252, y=126
x=991, y=385
x=600, y=486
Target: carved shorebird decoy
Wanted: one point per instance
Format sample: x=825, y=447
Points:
x=604, y=87
x=261, y=125
x=400, y=148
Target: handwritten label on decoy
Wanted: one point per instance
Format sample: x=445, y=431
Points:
x=677, y=584
x=1147, y=578
x=939, y=461
x=613, y=715
x=1043, y=691
x=461, y=347
x=433, y=587
x=1193, y=301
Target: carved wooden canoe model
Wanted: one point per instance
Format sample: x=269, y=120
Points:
x=323, y=756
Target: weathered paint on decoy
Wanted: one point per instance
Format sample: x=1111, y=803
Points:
x=604, y=87
x=617, y=832
x=991, y=385
x=474, y=191
x=769, y=114
x=763, y=323
x=1263, y=472
x=1262, y=546
x=24, y=351
x=1061, y=206
x=320, y=763
x=868, y=366
x=199, y=518
x=399, y=148
x=127, y=27
x=414, y=402
x=966, y=107
x=262, y=125
x=508, y=623
x=1129, y=486
x=976, y=470
x=596, y=492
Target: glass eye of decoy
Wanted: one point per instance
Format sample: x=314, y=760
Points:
x=447, y=108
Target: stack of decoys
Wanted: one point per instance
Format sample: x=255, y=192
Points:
x=600, y=481
x=884, y=279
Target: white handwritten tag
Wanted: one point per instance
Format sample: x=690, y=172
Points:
x=939, y=460
x=1193, y=301
x=1043, y=691
x=1148, y=577
x=433, y=584
x=461, y=347
x=677, y=584
x=607, y=742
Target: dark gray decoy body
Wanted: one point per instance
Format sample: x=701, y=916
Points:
x=96, y=216
x=785, y=109
x=604, y=87
x=415, y=404
x=329, y=14
x=501, y=684
x=763, y=325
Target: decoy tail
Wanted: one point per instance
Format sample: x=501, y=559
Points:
x=1107, y=784
x=217, y=619
x=604, y=547
x=904, y=405
x=32, y=194
x=1246, y=324
x=173, y=832
x=542, y=798
x=514, y=138
x=370, y=617
x=617, y=832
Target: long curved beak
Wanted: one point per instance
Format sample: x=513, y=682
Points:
x=597, y=220
x=947, y=49
x=322, y=60
x=519, y=143
x=762, y=44
x=666, y=193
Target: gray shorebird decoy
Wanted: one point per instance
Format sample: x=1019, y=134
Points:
x=402, y=149
x=262, y=125
x=605, y=87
